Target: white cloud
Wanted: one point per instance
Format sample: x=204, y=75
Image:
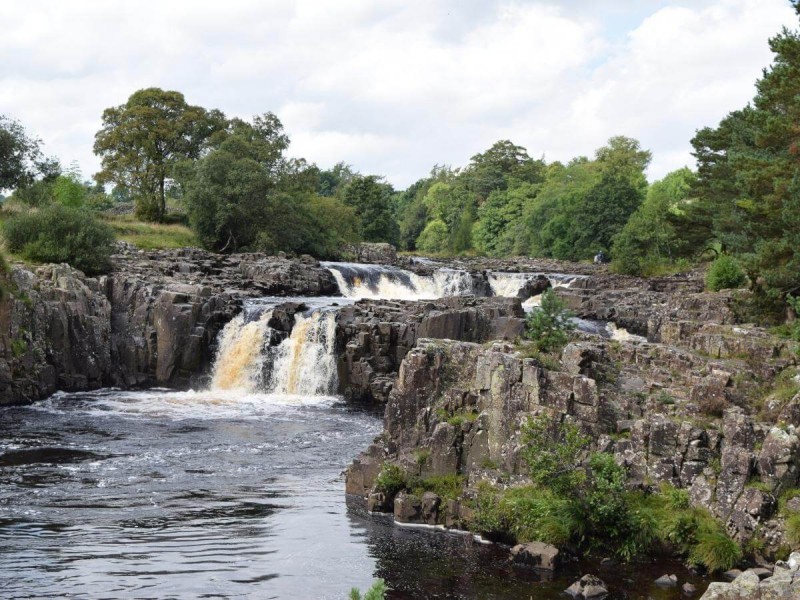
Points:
x=393, y=87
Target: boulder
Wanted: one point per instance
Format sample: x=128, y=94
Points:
x=588, y=587
x=537, y=555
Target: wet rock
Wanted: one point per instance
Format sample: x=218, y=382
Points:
x=783, y=584
x=537, y=555
x=667, y=581
x=431, y=503
x=588, y=587
x=688, y=589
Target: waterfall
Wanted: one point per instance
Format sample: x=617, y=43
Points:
x=240, y=358
x=510, y=284
x=379, y=281
x=302, y=364
x=305, y=363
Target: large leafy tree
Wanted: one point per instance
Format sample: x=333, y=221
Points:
x=749, y=176
x=21, y=158
x=372, y=201
x=142, y=141
x=653, y=236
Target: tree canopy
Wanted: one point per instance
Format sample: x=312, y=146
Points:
x=142, y=141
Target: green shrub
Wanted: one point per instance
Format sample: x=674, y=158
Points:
x=552, y=451
x=447, y=487
x=59, y=234
x=725, y=273
x=794, y=328
x=793, y=529
x=715, y=550
x=376, y=592
x=549, y=326
x=391, y=479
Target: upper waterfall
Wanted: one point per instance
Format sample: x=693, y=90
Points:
x=358, y=280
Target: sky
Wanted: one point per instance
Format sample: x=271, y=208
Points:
x=394, y=87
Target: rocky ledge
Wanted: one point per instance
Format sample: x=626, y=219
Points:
x=153, y=320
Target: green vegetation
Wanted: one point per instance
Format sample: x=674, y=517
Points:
x=725, y=273
x=61, y=234
x=376, y=592
x=549, y=326
x=150, y=236
x=579, y=498
x=447, y=487
x=391, y=479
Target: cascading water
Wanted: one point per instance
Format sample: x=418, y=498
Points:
x=391, y=283
x=303, y=364
x=510, y=284
x=240, y=358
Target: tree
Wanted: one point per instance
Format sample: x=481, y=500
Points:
x=371, y=200
x=652, y=237
x=433, y=238
x=748, y=185
x=550, y=325
x=141, y=142
x=492, y=169
x=21, y=158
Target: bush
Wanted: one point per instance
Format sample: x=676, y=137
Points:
x=59, y=234
x=391, y=479
x=549, y=326
x=793, y=529
x=433, y=238
x=725, y=273
x=376, y=592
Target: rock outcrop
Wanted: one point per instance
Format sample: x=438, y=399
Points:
x=153, y=320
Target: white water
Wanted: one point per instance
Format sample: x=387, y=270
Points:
x=240, y=358
x=510, y=284
x=305, y=363
x=361, y=281
x=302, y=365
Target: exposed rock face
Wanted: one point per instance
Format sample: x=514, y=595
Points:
x=373, y=337
x=783, y=584
x=153, y=320
x=650, y=405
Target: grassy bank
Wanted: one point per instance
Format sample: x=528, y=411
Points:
x=150, y=236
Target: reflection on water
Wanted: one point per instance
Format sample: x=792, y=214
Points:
x=164, y=494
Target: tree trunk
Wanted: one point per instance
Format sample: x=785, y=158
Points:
x=162, y=201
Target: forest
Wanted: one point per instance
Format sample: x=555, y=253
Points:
x=233, y=183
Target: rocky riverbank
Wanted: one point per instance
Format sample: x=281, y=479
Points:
x=706, y=404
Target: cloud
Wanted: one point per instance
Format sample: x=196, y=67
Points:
x=397, y=86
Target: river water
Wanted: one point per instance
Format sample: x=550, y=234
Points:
x=163, y=494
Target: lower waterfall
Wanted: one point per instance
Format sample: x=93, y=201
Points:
x=305, y=363
x=240, y=358
x=302, y=364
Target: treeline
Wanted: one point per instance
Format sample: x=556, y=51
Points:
x=234, y=183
